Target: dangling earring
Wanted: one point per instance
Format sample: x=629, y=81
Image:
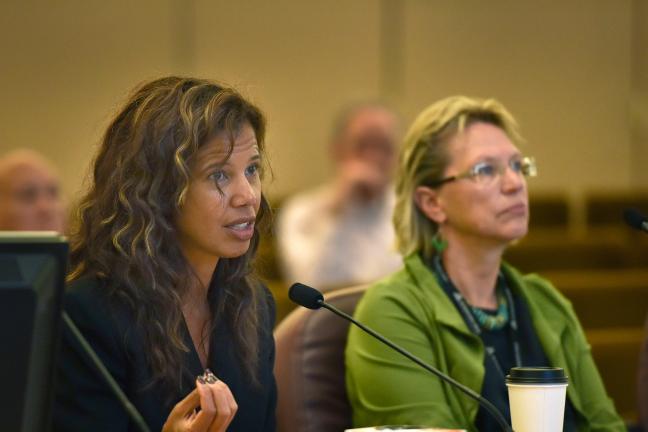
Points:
x=439, y=243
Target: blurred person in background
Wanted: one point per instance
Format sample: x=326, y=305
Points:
x=30, y=193
x=461, y=199
x=340, y=234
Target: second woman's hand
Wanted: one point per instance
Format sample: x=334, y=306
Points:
x=210, y=407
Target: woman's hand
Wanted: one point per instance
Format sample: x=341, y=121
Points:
x=209, y=408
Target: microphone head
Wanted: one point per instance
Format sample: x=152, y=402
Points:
x=305, y=296
x=634, y=218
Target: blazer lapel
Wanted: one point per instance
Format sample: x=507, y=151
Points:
x=459, y=343
x=192, y=367
x=551, y=332
x=444, y=309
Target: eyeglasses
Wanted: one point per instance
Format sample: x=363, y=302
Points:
x=487, y=171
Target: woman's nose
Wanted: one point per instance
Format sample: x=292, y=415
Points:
x=245, y=193
x=511, y=180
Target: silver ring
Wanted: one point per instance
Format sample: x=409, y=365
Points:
x=209, y=377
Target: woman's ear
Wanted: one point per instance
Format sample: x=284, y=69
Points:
x=427, y=200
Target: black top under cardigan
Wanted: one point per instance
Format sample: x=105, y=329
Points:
x=84, y=402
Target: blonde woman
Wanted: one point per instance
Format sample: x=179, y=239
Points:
x=461, y=200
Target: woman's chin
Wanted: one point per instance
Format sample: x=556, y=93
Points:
x=515, y=234
x=236, y=252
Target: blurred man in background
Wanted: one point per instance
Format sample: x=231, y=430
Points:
x=341, y=234
x=30, y=196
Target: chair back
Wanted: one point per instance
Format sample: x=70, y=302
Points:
x=309, y=366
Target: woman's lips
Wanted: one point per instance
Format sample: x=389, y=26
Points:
x=515, y=210
x=243, y=230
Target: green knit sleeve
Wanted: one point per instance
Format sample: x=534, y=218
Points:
x=383, y=386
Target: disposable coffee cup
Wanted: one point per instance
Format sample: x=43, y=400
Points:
x=537, y=398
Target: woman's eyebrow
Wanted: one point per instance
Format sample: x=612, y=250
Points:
x=494, y=159
x=218, y=164
x=212, y=164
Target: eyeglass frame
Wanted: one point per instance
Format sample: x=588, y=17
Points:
x=528, y=168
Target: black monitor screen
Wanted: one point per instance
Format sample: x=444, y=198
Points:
x=32, y=280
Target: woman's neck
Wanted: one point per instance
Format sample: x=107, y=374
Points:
x=195, y=304
x=473, y=270
x=197, y=315
x=201, y=273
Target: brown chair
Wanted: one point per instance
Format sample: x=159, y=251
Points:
x=309, y=366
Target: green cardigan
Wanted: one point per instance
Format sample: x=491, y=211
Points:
x=410, y=308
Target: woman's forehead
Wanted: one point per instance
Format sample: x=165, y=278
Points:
x=222, y=146
x=481, y=140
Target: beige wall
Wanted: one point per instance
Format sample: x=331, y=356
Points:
x=300, y=61
x=574, y=73
x=639, y=94
x=562, y=69
x=66, y=65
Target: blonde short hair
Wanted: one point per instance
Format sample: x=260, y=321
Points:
x=424, y=159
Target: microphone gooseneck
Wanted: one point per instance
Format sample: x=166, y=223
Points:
x=313, y=299
x=635, y=219
x=132, y=412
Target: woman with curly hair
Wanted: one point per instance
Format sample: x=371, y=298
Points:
x=161, y=280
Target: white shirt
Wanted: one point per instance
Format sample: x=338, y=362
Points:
x=327, y=250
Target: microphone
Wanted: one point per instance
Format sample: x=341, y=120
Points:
x=635, y=219
x=132, y=412
x=310, y=298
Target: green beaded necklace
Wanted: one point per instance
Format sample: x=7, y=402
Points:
x=493, y=322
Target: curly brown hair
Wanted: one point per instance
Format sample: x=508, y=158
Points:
x=124, y=226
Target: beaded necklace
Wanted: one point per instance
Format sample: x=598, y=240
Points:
x=471, y=320
x=493, y=322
